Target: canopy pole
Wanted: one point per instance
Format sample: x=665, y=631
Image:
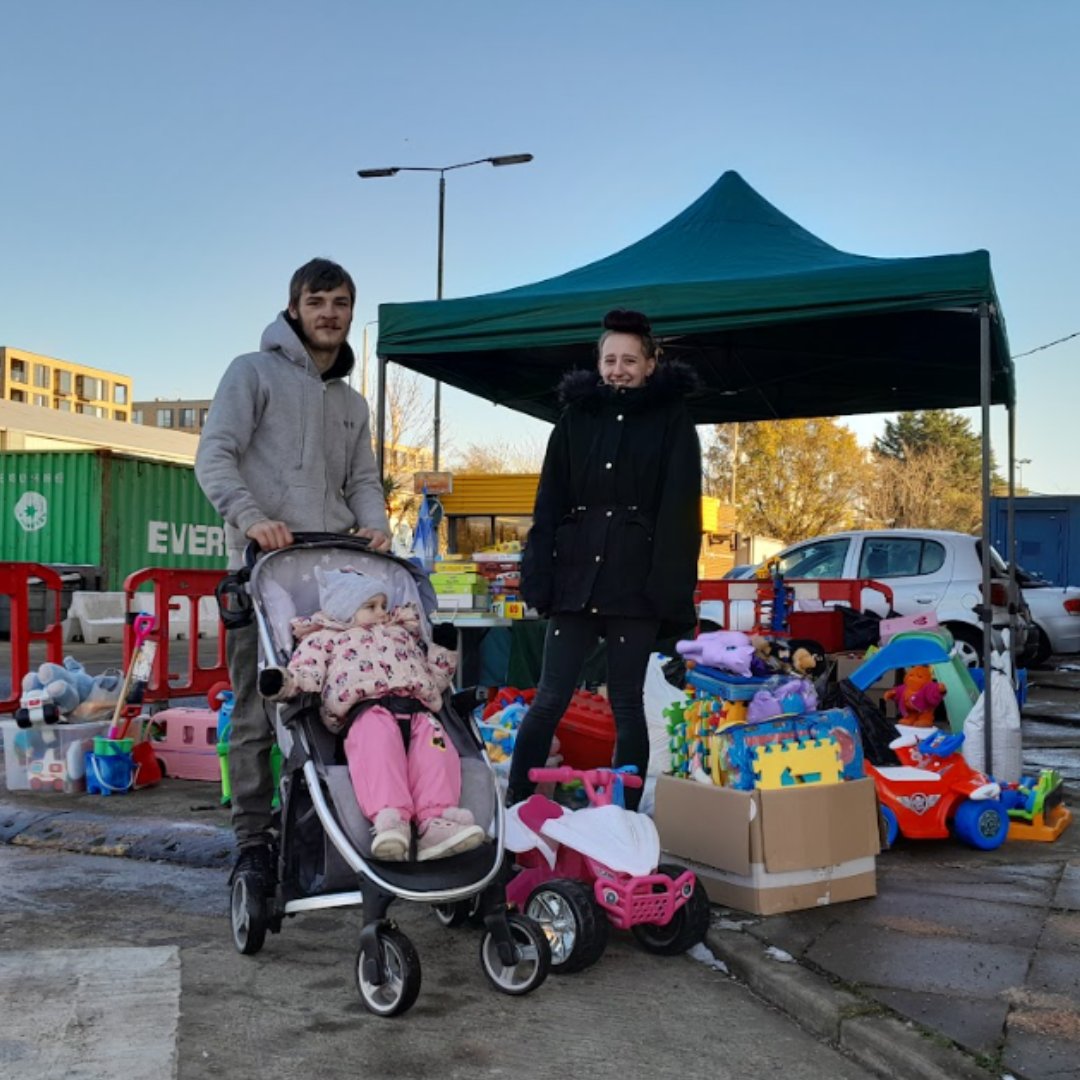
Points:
x=380, y=423
x=986, y=611
x=1014, y=590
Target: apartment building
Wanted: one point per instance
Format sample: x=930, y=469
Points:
x=32, y=379
x=176, y=414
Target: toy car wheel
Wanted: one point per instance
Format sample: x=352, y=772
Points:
x=688, y=925
x=249, y=916
x=892, y=826
x=982, y=823
x=401, y=986
x=533, y=957
x=576, y=930
x=456, y=914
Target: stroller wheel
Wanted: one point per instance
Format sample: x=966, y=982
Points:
x=450, y=915
x=533, y=957
x=576, y=931
x=401, y=975
x=688, y=925
x=249, y=917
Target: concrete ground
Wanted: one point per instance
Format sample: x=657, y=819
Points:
x=967, y=963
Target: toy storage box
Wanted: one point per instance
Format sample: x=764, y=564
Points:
x=771, y=851
x=48, y=757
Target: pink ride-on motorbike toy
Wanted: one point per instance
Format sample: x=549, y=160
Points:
x=581, y=870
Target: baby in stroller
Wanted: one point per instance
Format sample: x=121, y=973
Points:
x=324, y=848
x=381, y=684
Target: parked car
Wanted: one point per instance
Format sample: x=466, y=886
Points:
x=928, y=570
x=1055, y=613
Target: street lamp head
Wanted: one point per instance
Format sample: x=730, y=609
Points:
x=511, y=159
x=371, y=174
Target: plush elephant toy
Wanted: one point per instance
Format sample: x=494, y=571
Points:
x=727, y=650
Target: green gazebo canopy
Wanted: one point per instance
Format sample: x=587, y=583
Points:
x=777, y=323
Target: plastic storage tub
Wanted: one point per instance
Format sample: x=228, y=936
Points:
x=48, y=757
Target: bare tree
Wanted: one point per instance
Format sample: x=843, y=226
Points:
x=920, y=489
x=523, y=456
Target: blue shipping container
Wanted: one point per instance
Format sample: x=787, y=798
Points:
x=1047, y=535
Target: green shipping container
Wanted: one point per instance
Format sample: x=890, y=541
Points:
x=97, y=508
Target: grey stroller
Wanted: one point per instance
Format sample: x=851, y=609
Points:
x=324, y=847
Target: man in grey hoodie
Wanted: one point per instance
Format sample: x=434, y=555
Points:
x=286, y=447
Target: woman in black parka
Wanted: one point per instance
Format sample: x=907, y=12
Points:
x=616, y=533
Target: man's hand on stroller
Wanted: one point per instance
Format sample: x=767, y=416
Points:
x=378, y=540
x=270, y=535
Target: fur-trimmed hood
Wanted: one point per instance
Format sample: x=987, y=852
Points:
x=671, y=381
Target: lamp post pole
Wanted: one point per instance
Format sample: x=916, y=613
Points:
x=442, y=170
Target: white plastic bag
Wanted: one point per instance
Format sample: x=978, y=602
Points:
x=1006, y=748
x=659, y=695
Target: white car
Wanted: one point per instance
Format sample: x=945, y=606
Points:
x=928, y=570
x=1055, y=612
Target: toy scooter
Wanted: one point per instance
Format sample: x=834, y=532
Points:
x=581, y=870
x=934, y=788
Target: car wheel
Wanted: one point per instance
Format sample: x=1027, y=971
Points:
x=969, y=644
x=1043, y=648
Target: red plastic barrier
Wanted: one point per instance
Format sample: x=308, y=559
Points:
x=15, y=585
x=170, y=584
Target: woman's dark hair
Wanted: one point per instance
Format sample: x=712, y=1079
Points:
x=319, y=275
x=623, y=321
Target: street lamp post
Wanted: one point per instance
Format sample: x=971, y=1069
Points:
x=1020, y=463
x=442, y=170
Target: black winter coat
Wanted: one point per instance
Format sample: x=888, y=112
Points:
x=617, y=523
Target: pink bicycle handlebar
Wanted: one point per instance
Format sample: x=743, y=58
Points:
x=590, y=778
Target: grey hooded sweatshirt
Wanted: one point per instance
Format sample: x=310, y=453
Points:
x=282, y=444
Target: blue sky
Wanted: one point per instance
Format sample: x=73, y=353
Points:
x=167, y=165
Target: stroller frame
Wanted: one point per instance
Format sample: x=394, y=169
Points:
x=314, y=865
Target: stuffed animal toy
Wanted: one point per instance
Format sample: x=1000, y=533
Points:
x=917, y=696
x=69, y=687
x=726, y=650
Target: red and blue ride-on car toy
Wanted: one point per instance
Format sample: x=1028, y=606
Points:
x=580, y=872
x=934, y=788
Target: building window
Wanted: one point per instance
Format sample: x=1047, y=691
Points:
x=64, y=406
x=18, y=395
x=187, y=418
x=88, y=388
x=18, y=372
x=203, y=413
x=137, y=416
x=164, y=418
x=62, y=381
x=119, y=394
x=41, y=375
x=42, y=400
x=120, y=414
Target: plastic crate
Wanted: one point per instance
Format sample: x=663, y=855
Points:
x=711, y=682
x=48, y=757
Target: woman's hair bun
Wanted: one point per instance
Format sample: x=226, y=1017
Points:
x=623, y=321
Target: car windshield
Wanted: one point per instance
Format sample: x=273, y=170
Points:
x=818, y=559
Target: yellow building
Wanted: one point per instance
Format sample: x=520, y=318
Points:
x=32, y=379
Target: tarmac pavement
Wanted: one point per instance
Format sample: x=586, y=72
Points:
x=966, y=964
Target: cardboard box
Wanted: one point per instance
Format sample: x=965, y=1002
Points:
x=770, y=851
x=463, y=602
x=459, y=583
